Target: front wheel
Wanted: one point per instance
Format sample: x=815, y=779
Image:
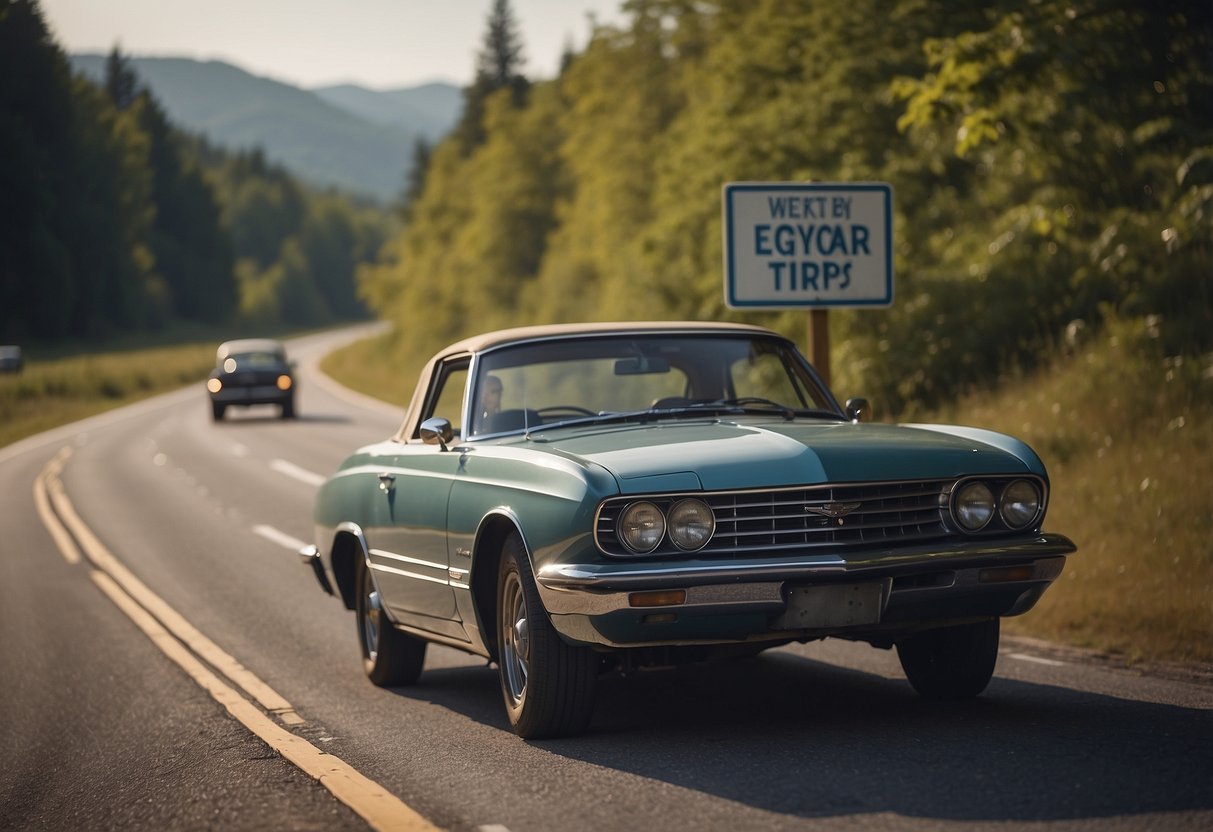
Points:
x=389, y=656
x=951, y=662
x=548, y=685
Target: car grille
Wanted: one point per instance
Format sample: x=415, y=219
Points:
x=252, y=378
x=783, y=520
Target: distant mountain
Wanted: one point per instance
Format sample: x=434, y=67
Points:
x=347, y=137
x=412, y=108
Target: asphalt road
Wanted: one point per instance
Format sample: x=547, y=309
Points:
x=130, y=675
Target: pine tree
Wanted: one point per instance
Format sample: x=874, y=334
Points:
x=498, y=66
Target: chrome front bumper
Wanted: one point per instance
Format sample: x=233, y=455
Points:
x=574, y=595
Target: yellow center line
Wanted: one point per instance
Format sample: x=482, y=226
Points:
x=377, y=806
x=101, y=557
x=63, y=541
x=169, y=631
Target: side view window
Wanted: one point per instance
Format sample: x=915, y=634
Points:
x=447, y=399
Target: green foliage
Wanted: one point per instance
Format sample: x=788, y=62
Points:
x=498, y=67
x=117, y=221
x=1051, y=162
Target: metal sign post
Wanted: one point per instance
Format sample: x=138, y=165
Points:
x=808, y=244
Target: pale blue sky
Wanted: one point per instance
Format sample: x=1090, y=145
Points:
x=376, y=43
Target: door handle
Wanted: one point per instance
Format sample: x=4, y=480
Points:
x=387, y=481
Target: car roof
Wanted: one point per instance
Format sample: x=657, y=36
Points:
x=479, y=343
x=247, y=345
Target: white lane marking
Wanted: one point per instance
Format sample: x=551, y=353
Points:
x=292, y=470
x=1024, y=657
x=281, y=538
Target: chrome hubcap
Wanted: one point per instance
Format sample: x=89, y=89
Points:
x=370, y=624
x=516, y=640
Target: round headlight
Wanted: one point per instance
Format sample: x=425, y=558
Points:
x=1020, y=504
x=641, y=527
x=214, y=385
x=973, y=506
x=691, y=524
x=284, y=382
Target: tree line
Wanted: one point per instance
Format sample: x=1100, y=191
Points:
x=1052, y=166
x=117, y=221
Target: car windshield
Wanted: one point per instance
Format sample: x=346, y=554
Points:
x=252, y=360
x=605, y=378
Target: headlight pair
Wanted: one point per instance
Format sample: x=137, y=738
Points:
x=1018, y=505
x=690, y=524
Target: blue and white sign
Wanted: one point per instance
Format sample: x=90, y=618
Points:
x=808, y=244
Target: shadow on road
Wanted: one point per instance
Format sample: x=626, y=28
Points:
x=802, y=738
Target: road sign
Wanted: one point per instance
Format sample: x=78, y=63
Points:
x=808, y=244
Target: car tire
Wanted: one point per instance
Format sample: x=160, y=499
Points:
x=548, y=685
x=288, y=409
x=389, y=656
x=217, y=411
x=951, y=662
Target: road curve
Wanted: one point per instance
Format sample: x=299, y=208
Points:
x=120, y=712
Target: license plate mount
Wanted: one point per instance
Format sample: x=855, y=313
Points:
x=829, y=606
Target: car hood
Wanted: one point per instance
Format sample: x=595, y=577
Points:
x=760, y=453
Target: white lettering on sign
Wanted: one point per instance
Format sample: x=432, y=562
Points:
x=808, y=244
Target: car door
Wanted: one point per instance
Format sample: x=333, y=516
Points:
x=408, y=541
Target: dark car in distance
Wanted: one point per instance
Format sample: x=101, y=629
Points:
x=11, y=359
x=251, y=371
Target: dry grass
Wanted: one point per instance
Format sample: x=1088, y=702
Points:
x=56, y=391
x=1127, y=436
x=370, y=367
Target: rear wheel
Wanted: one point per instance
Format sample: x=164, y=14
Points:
x=389, y=656
x=951, y=662
x=548, y=685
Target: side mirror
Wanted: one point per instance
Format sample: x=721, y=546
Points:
x=858, y=410
x=437, y=431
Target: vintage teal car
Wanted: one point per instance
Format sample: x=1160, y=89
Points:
x=572, y=500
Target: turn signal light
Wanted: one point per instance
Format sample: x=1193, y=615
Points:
x=658, y=598
x=284, y=382
x=1006, y=574
x=214, y=385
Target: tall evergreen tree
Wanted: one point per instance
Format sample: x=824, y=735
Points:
x=121, y=82
x=498, y=66
x=414, y=180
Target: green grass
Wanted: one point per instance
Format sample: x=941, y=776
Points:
x=56, y=391
x=64, y=382
x=1127, y=436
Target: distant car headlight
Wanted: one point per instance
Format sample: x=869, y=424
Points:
x=973, y=506
x=214, y=385
x=692, y=524
x=641, y=527
x=1020, y=504
x=284, y=382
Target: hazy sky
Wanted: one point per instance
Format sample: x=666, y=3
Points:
x=376, y=43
